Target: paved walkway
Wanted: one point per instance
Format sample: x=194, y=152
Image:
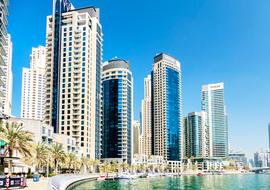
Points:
x=59, y=182
x=41, y=185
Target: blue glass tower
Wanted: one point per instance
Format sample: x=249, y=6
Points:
x=167, y=107
x=59, y=7
x=117, y=98
x=195, y=135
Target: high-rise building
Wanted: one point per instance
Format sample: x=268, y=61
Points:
x=73, y=69
x=216, y=119
x=261, y=159
x=7, y=78
x=3, y=44
x=195, y=135
x=33, y=86
x=136, y=133
x=117, y=110
x=146, y=118
x=269, y=137
x=167, y=107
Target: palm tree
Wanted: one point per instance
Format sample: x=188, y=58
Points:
x=141, y=167
x=105, y=168
x=58, y=155
x=84, y=164
x=39, y=157
x=114, y=166
x=90, y=165
x=124, y=166
x=16, y=139
x=96, y=164
x=71, y=160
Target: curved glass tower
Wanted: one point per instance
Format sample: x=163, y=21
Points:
x=117, y=104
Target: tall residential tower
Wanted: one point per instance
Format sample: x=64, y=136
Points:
x=146, y=116
x=7, y=78
x=216, y=119
x=73, y=69
x=33, y=86
x=167, y=107
x=117, y=110
x=3, y=42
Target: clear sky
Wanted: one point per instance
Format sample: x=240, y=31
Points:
x=216, y=41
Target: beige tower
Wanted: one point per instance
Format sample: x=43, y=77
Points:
x=73, y=77
x=33, y=86
x=8, y=78
x=147, y=118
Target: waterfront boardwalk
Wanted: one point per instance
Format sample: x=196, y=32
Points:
x=59, y=182
x=41, y=185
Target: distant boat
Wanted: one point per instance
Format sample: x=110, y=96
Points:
x=127, y=176
x=169, y=174
x=200, y=174
x=153, y=174
x=101, y=178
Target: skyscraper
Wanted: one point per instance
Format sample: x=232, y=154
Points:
x=33, y=86
x=167, y=107
x=147, y=118
x=53, y=61
x=269, y=137
x=8, y=78
x=216, y=118
x=3, y=42
x=117, y=110
x=73, y=69
x=195, y=135
x=136, y=132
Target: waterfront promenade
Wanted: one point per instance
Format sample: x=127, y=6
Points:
x=41, y=185
x=60, y=182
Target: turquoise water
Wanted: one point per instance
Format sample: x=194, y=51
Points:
x=217, y=182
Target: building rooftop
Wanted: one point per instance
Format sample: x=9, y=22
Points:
x=116, y=63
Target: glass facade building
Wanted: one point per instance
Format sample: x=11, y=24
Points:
x=166, y=107
x=73, y=75
x=216, y=118
x=117, y=104
x=195, y=135
x=269, y=137
x=59, y=7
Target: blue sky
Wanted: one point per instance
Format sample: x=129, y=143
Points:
x=225, y=40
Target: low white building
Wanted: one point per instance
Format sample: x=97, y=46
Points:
x=41, y=131
x=68, y=143
x=157, y=163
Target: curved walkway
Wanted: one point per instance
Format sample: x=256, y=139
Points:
x=61, y=182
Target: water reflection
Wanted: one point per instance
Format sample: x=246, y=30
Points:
x=245, y=182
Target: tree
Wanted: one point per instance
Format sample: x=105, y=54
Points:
x=124, y=166
x=70, y=160
x=141, y=167
x=105, y=168
x=96, y=164
x=114, y=166
x=16, y=139
x=84, y=164
x=57, y=154
x=39, y=157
